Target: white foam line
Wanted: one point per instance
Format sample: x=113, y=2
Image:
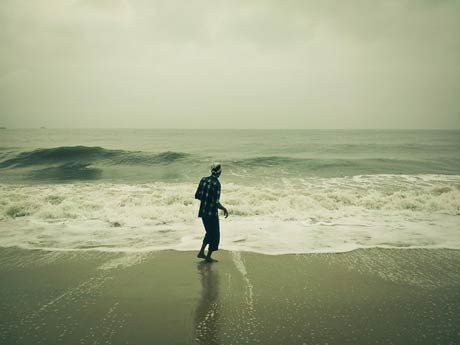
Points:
x=104, y=332
x=126, y=260
x=34, y=320
x=242, y=269
x=65, y=294
x=74, y=290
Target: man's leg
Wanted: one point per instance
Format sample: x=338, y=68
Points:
x=208, y=257
x=201, y=254
x=213, y=233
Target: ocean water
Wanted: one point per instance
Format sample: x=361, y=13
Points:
x=288, y=191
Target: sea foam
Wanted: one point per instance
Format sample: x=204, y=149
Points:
x=291, y=215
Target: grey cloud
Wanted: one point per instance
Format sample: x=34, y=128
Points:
x=254, y=64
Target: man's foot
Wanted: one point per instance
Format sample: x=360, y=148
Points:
x=210, y=260
x=201, y=255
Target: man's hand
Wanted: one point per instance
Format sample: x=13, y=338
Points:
x=220, y=207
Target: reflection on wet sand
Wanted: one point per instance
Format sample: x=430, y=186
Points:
x=207, y=313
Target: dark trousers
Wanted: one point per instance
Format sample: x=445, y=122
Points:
x=212, y=237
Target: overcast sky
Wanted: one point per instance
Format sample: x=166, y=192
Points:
x=230, y=64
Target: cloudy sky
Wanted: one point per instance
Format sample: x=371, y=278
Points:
x=230, y=64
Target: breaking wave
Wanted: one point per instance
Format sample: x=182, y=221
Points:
x=291, y=216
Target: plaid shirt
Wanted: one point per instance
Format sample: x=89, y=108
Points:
x=208, y=192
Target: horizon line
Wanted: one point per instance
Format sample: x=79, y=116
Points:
x=239, y=129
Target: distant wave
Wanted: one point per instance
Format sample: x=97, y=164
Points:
x=334, y=167
x=69, y=171
x=91, y=163
x=86, y=155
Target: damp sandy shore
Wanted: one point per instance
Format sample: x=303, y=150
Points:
x=375, y=296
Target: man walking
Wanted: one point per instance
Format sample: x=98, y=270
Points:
x=208, y=192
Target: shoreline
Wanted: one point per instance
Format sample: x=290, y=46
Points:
x=366, y=296
x=147, y=251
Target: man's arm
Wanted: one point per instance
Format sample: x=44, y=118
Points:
x=221, y=207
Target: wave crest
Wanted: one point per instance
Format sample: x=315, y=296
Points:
x=87, y=155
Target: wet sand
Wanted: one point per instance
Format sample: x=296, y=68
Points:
x=374, y=296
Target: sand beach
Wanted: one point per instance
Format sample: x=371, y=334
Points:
x=374, y=296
